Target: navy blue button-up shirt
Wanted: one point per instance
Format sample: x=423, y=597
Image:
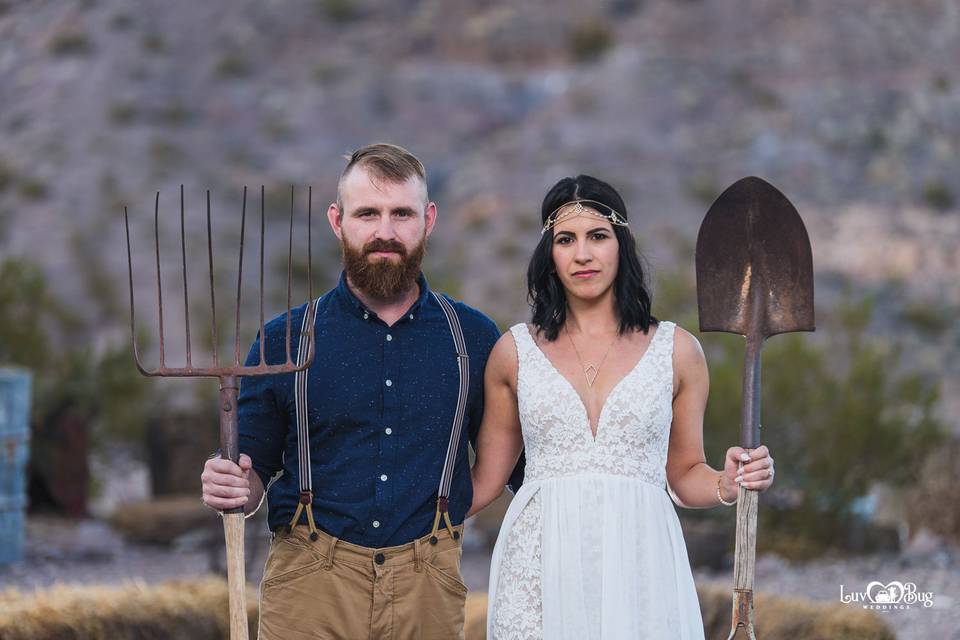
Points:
x=380, y=401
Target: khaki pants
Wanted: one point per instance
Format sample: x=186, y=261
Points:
x=335, y=590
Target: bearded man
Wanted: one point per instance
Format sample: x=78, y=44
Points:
x=367, y=482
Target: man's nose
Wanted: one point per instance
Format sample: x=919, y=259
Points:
x=386, y=230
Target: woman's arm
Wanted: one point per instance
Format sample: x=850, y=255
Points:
x=499, y=441
x=691, y=481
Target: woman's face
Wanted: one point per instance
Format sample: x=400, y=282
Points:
x=586, y=254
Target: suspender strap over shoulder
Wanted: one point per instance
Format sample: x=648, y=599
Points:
x=463, y=368
x=303, y=432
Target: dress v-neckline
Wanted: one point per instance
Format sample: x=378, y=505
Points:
x=594, y=435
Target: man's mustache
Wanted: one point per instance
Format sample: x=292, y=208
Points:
x=385, y=245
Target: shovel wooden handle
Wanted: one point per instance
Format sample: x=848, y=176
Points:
x=741, y=625
x=233, y=519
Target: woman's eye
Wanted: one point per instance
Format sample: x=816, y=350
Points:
x=599, y=236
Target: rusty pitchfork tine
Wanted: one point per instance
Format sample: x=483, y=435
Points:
x=233, y=519
x=236, y=369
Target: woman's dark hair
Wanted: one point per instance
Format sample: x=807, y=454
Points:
x=545, y=292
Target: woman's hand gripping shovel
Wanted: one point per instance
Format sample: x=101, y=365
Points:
x=229, y=375
x=754, y=278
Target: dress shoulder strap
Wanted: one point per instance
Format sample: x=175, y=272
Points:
x=665, y=347
x=522, y=338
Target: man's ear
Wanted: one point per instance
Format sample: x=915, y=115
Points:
x=430, y=216
x=335, y=218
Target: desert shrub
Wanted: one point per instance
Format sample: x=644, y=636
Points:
x=162, y=520
x=937, y=195
x=7, y=175
x=95, y=386
x=187, y=610
x=590, y=40
x=153, y=42
x=839, y=413
x=339, y=10
x=934, y=500
x=32, y=189
x=233, y=65
x=930, y=318
x=70, y=42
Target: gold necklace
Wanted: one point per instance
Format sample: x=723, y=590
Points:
x=591, y=377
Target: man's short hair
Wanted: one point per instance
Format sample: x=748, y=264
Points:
x=385, y=162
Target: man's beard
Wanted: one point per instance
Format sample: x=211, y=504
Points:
x=382, y=277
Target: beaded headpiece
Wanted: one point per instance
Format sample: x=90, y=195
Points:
x=559, y=215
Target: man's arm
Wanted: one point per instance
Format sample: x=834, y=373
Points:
x=500, y=440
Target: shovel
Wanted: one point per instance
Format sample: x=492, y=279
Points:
x=754, y=278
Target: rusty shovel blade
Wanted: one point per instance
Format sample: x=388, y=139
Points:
x=754, y=263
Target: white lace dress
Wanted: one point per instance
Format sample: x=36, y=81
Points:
x=591, y=547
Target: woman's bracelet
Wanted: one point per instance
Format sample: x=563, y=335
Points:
x=720, y=496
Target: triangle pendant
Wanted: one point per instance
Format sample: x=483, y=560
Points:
x=591, y=374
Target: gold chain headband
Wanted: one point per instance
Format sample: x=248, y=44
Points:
x=578, y=209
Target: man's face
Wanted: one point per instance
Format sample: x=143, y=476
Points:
x=383, y=229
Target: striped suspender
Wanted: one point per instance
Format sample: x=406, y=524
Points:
x=463, y=366
x=303, y=432
x=446, y=477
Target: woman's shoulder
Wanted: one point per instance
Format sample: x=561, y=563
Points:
x=687, y=350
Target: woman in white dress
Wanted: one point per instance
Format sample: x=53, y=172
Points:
x=607, y=404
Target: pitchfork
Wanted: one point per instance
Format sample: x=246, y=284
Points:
x=229, y=375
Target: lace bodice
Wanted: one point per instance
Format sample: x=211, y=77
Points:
x=634, y=425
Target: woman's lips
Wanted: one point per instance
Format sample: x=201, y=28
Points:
x=585, y=274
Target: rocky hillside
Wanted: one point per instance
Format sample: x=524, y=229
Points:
x=850, y=108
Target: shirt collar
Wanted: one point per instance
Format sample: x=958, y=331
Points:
x=353, y=304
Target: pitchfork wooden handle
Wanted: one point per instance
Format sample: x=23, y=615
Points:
x=233, y=519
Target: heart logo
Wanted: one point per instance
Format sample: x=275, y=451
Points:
x=889, y=593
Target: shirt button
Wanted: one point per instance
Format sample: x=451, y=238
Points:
x=366, y=315
x=383, y=477
x=389, y=382
x=376, y=524
x=389, y=337
x=388, y=431
x=411, y=316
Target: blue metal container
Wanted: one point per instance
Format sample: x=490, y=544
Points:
x=14, y=450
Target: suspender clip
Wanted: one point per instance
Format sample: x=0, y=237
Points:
x=306, y=504
x=444, y=512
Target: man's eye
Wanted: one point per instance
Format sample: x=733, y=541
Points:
x=403, y=214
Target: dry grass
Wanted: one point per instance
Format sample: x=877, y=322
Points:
x=792, y=618
x=778, y=618
x=195, y=610
x=198, y=610
x=162, y=520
